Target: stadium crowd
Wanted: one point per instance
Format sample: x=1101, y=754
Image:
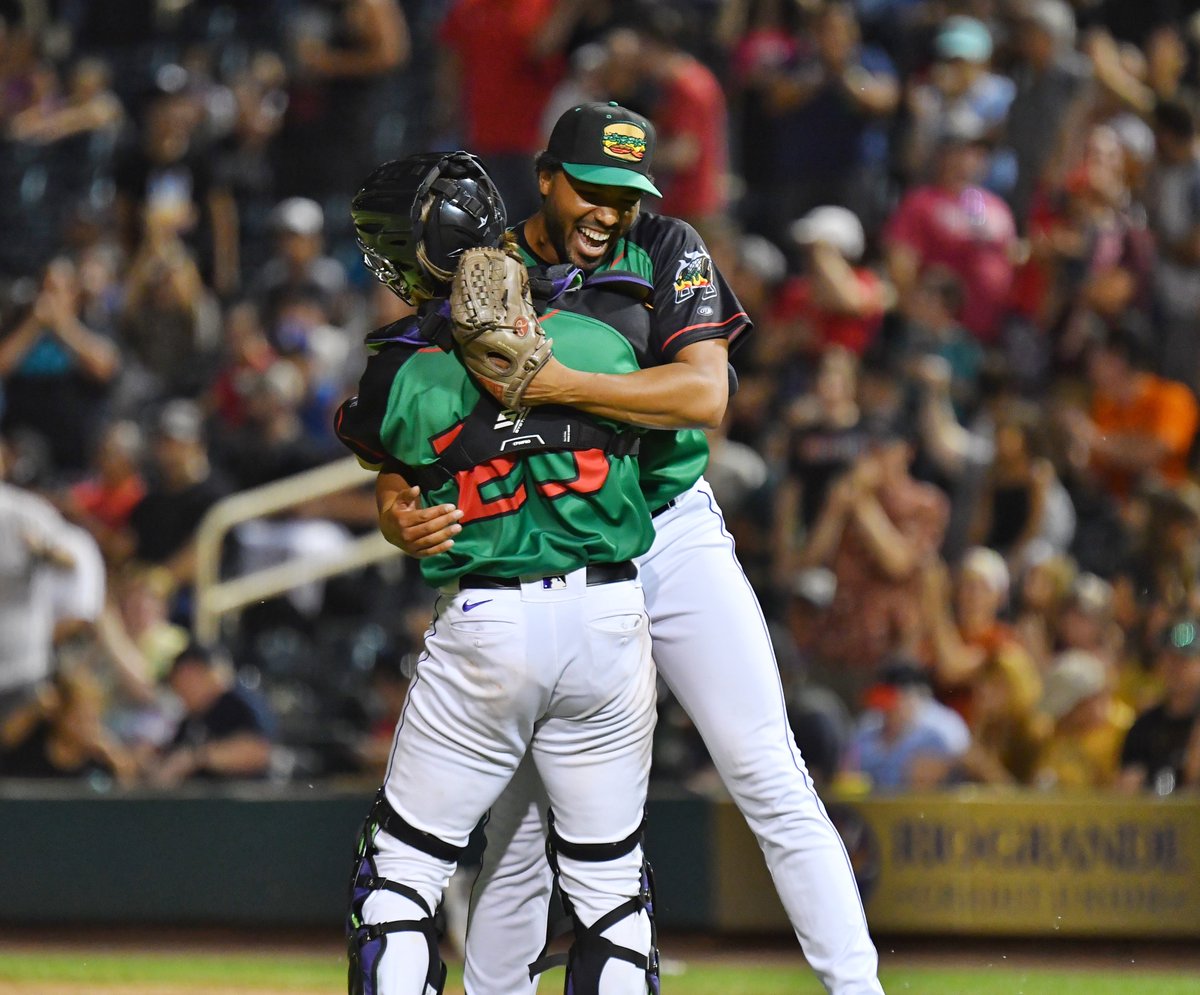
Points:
x=961, y=466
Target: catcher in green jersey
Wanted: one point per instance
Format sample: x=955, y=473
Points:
x=539, y=643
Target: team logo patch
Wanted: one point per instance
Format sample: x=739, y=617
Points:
x=625, y=141
x=693, y=276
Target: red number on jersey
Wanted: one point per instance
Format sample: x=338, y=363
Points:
x=591, y=471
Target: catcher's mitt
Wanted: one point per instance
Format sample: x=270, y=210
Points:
x=495, y=325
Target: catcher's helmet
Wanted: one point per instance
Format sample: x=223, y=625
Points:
x=415, y=216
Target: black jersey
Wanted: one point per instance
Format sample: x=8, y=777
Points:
x=687, y=300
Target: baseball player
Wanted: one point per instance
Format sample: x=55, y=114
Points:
x=539, y=643
x=710, y=641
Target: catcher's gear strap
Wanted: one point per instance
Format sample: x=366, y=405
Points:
x=366, y=942
x=490, y=431
x=587, y=956
x=592, y=852
x=391, y=822
x=548, y=283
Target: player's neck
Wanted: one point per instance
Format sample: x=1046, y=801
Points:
x=537, y=238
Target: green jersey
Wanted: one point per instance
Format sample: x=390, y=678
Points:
x=688, y=301
x=534, y=514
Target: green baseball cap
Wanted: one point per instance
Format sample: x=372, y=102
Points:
x=605, y=144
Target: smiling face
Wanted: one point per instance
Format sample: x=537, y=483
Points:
x=583, y=221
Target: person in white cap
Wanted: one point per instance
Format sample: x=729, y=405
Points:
x=298, y=265
x=840, y=301
x=1089, y=724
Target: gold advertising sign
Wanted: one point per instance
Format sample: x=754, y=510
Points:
x=988, y=863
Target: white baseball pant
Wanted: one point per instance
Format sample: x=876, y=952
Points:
x=711, y=646
x=563, y=672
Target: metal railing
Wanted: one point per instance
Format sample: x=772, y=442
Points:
x=216, y=598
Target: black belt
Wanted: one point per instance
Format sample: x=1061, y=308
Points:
x=666, y=507
x=597, y=573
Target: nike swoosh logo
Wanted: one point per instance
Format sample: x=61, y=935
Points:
x=468, y=605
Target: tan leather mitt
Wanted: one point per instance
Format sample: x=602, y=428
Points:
x=495, y=326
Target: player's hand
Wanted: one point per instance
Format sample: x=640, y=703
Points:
x=549, y=384
x=417, y=530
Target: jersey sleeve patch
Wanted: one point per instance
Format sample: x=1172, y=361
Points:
x=692, y=299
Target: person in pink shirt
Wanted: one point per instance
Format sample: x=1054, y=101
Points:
x=957, y=224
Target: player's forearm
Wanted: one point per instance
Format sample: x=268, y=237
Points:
x=675, y=395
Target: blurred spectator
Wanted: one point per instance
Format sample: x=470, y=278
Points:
x=959, y=86
x=967, y=635
x=1166, y=568
x=141, y=599
x=59, y=734
x=1007, y=731
x=162, y=525
x=1094, y=250
x=1175, y=215
x=247, y=354
x=955, y=224
x=243, y=158
x=1140, y=427
x=344, y=57
x=1084, y=749
x=271, y=443
x=1152, y=756
x=828, y=437
x=298, y=265
x=1049, y=76
x=905, y=740
x=55, y=370
x=103, y=501
x=225, y=731
x=1042, y=590
x=1024, y=505
x=498, y=65
x=388, y=691
x=166, y=181
x=88, y=106
x=1085, y=621
x=32, y=552
x=930, y=330
x=837, y=301
x=844, y=92
x=691, y=119
x=820, y=721
x=877, y=528
x=169, y=320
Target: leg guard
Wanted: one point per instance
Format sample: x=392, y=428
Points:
x=366, y=942
x=590, y=951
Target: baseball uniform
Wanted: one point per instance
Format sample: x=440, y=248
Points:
x=711, y=647
x=539, y=644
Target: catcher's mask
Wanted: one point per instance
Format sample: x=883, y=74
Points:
x=413, y=217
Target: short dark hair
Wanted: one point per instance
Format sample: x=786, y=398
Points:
x=546, y=163
x=1175, y=119
x=1128, y=342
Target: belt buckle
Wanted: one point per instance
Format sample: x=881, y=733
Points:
x=556, y=583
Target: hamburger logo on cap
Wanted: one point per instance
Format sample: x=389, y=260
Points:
x=625, y=141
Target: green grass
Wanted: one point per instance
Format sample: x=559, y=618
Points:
x=325, y=973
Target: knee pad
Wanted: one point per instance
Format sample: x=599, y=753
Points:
x=366, y=942
x=590, y=952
